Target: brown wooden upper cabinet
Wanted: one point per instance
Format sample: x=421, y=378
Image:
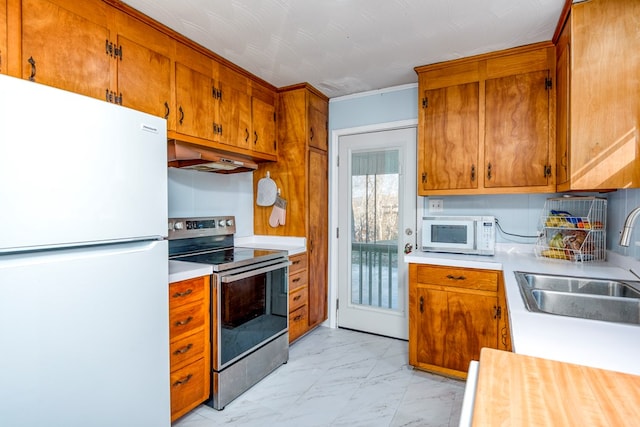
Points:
x=144, y=72
x=83, y=60
x=194, y=94
x=108, y=55
x=263, y=120
x=3, y=37
x=486, y=123
x=598, y=133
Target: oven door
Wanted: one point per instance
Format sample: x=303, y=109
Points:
x=251, y=309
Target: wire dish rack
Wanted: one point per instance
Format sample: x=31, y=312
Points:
x=573, y=229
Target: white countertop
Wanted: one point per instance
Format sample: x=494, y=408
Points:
x=293, y=245
x=181, y=270
x=607, y=345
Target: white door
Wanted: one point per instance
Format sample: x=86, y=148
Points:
x=376, y=219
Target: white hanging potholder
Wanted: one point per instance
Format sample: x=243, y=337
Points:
x=267, y=191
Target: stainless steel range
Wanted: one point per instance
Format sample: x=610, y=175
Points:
x=249, y=303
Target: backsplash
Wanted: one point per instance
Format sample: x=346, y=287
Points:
x=193, y=193
x=519, y=214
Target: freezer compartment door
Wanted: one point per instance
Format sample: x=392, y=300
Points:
x=85, y=337
x=75, y=169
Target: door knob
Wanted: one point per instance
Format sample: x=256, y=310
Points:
x=408, y=232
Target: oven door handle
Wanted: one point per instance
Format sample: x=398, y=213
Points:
x=235, y=277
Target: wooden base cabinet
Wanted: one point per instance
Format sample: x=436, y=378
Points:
x=302, y=174
x=190, y=344
x=597, y=72
x=453, y=314
x=298, y=297
x=465, y=144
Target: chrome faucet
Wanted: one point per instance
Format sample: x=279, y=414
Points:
x=625, y=236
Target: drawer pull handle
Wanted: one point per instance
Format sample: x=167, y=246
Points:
x=183, y=294
x=184, y=322
x=183, y=381
x=297, y=297
x=452, y=277
x=183, y=350
x=297, y=279
x=295, y=262
x=298, y=317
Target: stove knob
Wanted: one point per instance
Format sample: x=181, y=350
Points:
x=229, y=222
x=221, y=223
x=178, y=226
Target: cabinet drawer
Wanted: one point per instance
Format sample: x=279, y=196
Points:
x=297, y=280
x=298, y=298
x=484, y=280
x=186, y=319
x=187, y=349
x=298, y=263
x=189, y=388
x=298, y=322
x=186, y=291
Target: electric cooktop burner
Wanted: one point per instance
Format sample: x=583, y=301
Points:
x=209, y=240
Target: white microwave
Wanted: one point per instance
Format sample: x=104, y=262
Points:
x=459, y=234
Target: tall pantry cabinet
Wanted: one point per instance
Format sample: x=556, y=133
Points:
x=301, y=175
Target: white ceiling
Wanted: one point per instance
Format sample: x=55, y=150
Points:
x=350, y=46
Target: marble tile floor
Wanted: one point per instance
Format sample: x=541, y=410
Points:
x=338, y=377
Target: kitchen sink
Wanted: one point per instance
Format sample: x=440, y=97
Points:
x=583, y=297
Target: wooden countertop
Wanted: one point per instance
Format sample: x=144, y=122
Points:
x=519, y=390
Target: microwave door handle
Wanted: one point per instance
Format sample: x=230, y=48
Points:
x=235, y=277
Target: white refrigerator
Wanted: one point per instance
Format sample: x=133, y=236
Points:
x=84, y=334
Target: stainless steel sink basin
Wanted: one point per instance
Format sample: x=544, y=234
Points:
x=583, y=297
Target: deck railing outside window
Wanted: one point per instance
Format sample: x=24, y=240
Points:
x=374, y=272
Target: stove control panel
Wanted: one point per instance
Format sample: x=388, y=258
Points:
x=182, y=228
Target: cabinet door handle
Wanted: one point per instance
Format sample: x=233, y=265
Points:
x=181, y=114
x=167, y=110
x=504, y=336
x=255, y=134
x=183, y=350
x=421, y=304
x=32, y=61
x=452, y=277
x=246, y=138
x=311, y=134
x=184, y=322
x=489, y=171
x=473, y=172
x=424, y=177
x=497, y=312
x=183, y=380
x=182, y=294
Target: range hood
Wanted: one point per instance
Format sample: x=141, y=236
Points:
x=189, y=156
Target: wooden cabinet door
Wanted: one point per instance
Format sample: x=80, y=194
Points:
x=264, y=126
x=317, y=115
x=563, y=85
x=448, y=158
x=3, y=37
x=144, y=73
x=517, y=130
x=430, y=323
x=471, y=324
x=233, y=109
x=194, y=102
x=604, y=105
x=65, y=45
x=318, y=235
